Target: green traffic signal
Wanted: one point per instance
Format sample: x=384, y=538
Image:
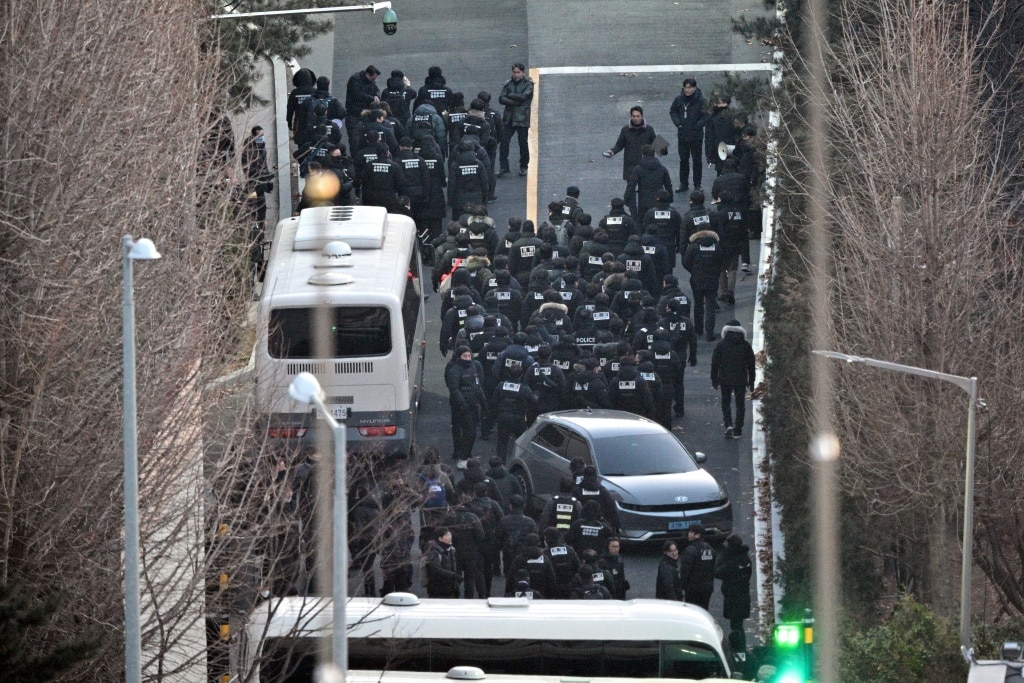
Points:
x=792, y=655
x=787, y=636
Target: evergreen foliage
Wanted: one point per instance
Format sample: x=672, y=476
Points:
x=242, y=43
x=23, y=619
x=913, y=644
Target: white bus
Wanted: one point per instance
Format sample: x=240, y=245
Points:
x=364, y=264
x=472, y=673
x=585, y=638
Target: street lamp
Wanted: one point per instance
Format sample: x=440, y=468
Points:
x=131, y=250
x=306, y=389
x=970, y=385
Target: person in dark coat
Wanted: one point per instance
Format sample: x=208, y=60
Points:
x=720, y=127
x=517, y=97
x=361, y=92
x=614, y=569
x=590, y=531
x=304, y=81
x=464, y=379
x=697, y=218
x=469, y=537
x=735, y=569
x=617, y=226
x=442, y=568
x=364, y=527
x=668, y=586
x=689, y=115
x=536, y=563
x=588, y=387
x=646, y=179
x=588, y=590
x=697, y=568
x=468, y=180
x=629, y=391
x=703, y=258
x=664, y=221
x=631, y=140
x=733, y=370
x=432, y=212
x=396, y=544
x=729, y=222
x=399, y=95
x=513, y=531
x=589, y=489
x=435, y=91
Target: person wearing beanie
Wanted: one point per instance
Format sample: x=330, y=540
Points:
x=522, y=252
x=399, y=95
x=588, y=590
x=646, y=180
x=618, y=225
x=664, y=221
x=497, y=132
x=720, y=127
x=633, y=136
x=464, y=378
x=734, y=568
x=591, y=531
x=733, y=371
x=304, y=81
x=434, y=91
x=696, y=219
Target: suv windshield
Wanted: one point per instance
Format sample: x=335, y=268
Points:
x=638, y=454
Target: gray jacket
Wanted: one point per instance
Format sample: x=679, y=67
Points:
x=517, y=96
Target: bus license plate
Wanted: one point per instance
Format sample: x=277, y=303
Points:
x=340, y=412
x=683, y=525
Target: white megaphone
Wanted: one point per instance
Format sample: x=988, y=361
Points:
x=725, y=150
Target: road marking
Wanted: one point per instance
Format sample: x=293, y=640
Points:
x=647, y=68
x=537, y=72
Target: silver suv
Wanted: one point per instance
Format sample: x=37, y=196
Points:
x=659, y=488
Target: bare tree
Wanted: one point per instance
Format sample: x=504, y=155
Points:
x=106, y=110
x=926, y=271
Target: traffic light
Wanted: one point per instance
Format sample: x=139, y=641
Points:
x=793, y=651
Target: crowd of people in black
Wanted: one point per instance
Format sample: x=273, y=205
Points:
x=575, y=312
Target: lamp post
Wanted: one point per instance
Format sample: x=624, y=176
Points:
x=306, y=389
x=969, y=385
x=131, y=250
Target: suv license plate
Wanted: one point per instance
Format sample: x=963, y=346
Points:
x=339, y=412
x=683, y=525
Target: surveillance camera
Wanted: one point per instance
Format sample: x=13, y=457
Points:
x=390, y=20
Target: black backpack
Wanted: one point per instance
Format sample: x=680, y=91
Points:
x=312, y=120
x=482, y=509
x=422, y=125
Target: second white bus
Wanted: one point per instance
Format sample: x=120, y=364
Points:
x=586, y=638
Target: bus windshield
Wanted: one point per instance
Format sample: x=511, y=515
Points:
x=293, y=660
x=356, y=332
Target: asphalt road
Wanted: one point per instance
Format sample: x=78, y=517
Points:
x=578, y=116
